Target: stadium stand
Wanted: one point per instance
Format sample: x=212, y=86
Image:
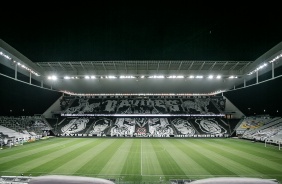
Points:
x=262, y=129
x=18, y=130
x=251, y=123
x=202, y=105
x=141, y=116
x=143, y=127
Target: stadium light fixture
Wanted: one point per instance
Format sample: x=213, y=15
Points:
x=18, y=63
x=175, y=77
x=142, y=77
x=232, y=77
x=127, y=77
x=5, y=56
x=111, y=77
x=258, y=68
x=156, y=77
x=52, y=77
x=265, y=64
x=276, y=58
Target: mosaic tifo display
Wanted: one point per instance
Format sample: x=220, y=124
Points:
x=87, y=106
x=143, y=127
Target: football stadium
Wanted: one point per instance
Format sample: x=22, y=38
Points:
x=174, y=121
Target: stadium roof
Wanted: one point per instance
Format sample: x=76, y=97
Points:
x=111, y=77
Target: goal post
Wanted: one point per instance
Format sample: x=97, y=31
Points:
x=279, y=144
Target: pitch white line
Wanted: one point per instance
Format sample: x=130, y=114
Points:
x=141, y=157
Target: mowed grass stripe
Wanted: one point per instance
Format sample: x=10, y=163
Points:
x=218, y=157
x=256, y=148
x=25, y=159
x=96, y=164
x=45, y=157
x=25, y=147
x=71, y=167
x=228, y=164
x=167, y=162
x=181, y=155
x=116, y=163
x=150, y=163
x=248, y=158
x=80, y=147
x=213, y=167
x=132, y=167
x=33, y=150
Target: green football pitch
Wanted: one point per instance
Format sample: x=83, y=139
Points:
x=145, y=160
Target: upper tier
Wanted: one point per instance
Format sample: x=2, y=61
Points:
x=144, y=105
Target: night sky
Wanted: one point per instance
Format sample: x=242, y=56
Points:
x=158, y=30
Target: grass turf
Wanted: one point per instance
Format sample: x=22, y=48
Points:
x=143, y=160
